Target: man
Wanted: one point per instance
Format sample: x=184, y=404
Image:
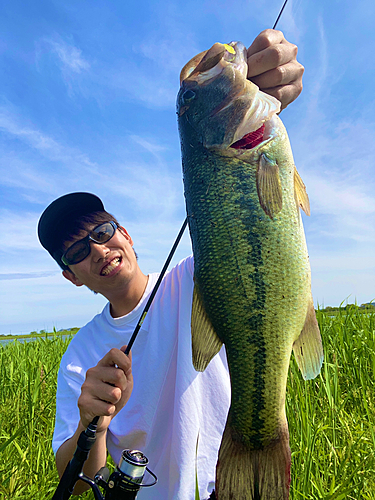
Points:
x=175, y=415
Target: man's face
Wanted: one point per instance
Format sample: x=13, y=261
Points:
x=108, y=266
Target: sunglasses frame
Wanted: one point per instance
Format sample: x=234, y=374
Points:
x=87, y=240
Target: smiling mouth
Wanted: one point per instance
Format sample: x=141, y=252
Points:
x=110, y=266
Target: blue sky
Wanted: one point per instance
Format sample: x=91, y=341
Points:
x=87, y=103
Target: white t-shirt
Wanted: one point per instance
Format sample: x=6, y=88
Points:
x=172, y=407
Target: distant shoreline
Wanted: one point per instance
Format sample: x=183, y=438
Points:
x=41, y=334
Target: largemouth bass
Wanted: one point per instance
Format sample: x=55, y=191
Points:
x=252, y=288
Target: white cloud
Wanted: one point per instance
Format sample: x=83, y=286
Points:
x=171, y=51
x=148, y=190
x=290, y=19
x=153, y=147
x=15, y=125
x=19, y=173
x=150, y=71
x=339, y=189
x=340, y=197
x=67, y=57
x=18, y=234
x=25, y=276
x=71, y=59
x=334, y=157
x=146, y=84
x=35, y=161
x=37, y=140
x=46, y=303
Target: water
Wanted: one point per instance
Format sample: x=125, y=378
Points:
x=4, y=340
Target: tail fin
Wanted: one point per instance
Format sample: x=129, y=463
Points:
x=243, y=473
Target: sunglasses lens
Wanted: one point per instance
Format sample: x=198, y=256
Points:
x=103, y=233
x=76, y=253
x=81, y=249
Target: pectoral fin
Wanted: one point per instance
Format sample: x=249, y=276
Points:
x=308, y=349
x=269, y=186
x=205, y=342
x=300, y=193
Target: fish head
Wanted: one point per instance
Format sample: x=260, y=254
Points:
x=219, y=105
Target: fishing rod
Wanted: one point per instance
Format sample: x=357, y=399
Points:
x=278, y=17
x=155, y=289
x=125, y=482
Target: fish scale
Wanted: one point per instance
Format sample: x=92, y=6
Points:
x=251, y=269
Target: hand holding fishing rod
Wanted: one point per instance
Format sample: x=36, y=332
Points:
x=107, y=388
x=273, y=66
x=112, y=381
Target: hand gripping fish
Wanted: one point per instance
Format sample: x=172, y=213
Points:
x=252, y=288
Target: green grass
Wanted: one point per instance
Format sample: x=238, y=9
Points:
x=331, y=419
x=27, y=397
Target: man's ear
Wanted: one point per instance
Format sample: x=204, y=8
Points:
x=70, y=276
x=126, y=234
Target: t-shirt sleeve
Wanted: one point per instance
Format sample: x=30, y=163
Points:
x=69, y=381
x=185, y=268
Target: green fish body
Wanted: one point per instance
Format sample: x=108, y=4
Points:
x=252, y=275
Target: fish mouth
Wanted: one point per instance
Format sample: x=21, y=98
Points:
x=210, y=63
x=257, y=122
x=236, y=114
x=260, y=107
x=250, y=140
x=257, y=138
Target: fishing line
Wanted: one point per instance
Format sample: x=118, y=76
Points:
x=278, y=17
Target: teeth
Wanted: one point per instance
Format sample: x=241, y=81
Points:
x=111, y=266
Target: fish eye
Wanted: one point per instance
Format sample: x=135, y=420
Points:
x=188, y=95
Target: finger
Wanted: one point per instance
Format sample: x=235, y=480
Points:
x=285, y=93
x=94, y=393
x=129, y=356
x=90, y=408
x=271, y=58
x=108, y=394
x=264, y=40
x=116, y=357
x=282, y=75
x=108, y=375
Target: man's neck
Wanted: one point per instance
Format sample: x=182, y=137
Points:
x=124, y=301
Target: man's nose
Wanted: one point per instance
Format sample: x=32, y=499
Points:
x=99, y=250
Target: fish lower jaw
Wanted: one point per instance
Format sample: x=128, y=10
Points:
x=111, y=266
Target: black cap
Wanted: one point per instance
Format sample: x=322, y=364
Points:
x=60, y=216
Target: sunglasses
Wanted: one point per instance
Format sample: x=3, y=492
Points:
x=81, y=249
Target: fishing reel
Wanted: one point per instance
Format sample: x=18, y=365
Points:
x=125, y=482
